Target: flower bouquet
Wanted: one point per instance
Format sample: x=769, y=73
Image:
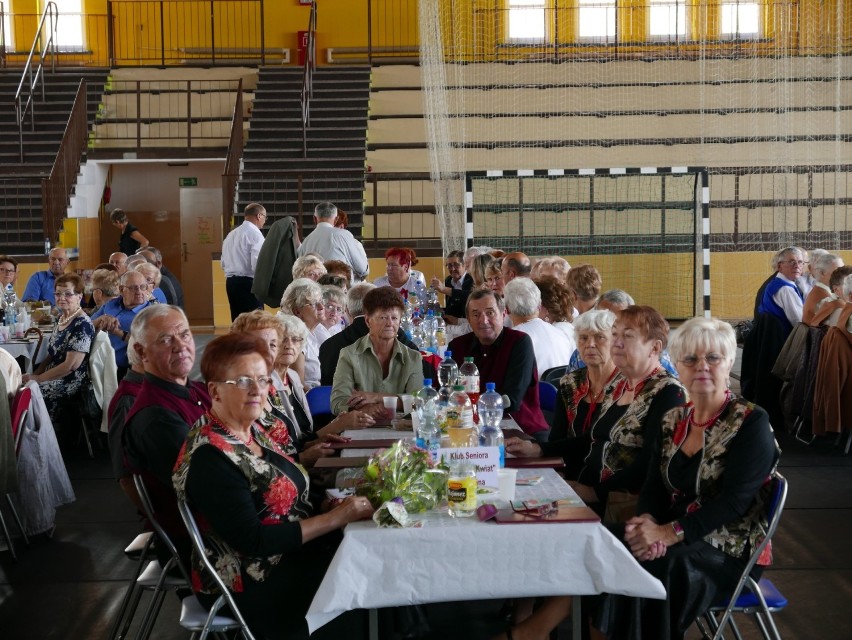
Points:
x=404, y=472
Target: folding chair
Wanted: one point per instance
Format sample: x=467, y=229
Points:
x=761, y=598
x=140, y=550
x=19, y=409
x=213, y=622
x=153, y=577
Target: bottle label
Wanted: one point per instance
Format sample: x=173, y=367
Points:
x=471, y=384
x=461, y=493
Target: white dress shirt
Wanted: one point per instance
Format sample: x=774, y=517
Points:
x=240, y=250
x=552, y=347
x=789, y=301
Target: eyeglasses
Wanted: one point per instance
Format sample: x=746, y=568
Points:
x=793, y=263
x=453, y=265
x=168, y=339
x=65, y=294
x=244, y=383
x=712, y=359
x=316, y=305
x=292, y=340
x=8, y=270
x=135, y=287
x=333, y=308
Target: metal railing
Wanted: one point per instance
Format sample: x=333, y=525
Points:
x=56, y=188
x=392, y=29
x=2, y=36
x=232, y=160
x=82, y=38
x=44, y=44
x=175, y=32
x=308, y=76
x=139, y=114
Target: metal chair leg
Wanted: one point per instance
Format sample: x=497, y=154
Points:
x=132, y=590
x=8, y=537
x=86, y=437
x=17, y=519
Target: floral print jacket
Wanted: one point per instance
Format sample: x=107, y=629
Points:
x=747, y=532
x=279, y=489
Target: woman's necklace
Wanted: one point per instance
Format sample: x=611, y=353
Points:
x=626, y=387
x=214, y=419
x=714, y=417
x=596, y=396
x=68, y=319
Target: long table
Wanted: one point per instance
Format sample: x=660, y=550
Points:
x=450, y=559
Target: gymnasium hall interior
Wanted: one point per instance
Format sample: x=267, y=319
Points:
x=676, y=145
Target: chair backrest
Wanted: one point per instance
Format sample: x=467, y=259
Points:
x=319, y=400
x=554, y=374
x=162, y=536
x=20, y=408
x=201, y=551
x=546, y=396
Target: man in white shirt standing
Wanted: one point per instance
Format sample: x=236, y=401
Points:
x=239, y=260
x=333, y=243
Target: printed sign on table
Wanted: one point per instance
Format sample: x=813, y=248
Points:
x=486, y=459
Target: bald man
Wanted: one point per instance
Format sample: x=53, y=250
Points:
x=119, y=261
x=515, y=265
x=41, y=283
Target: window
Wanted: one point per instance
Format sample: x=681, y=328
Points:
x=69, y=27
x=527, y=20
x=667, y=20
x=739, y=19
x=597, y=20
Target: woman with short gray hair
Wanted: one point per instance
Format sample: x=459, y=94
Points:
x=309, y=266
x=303, y=298
x=821, y=293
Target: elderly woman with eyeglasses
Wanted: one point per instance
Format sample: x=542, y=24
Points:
x=65, y=371
x=334, y=299
x=266, y=529
x=303, y=298
x=377, y=365
x=702, y=507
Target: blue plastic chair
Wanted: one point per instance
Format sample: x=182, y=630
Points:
x=762, y=598
x=547, y=396
x=319, y=401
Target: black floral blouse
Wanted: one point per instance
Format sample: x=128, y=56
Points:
x=252, y=504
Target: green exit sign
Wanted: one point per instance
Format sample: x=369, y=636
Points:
x=187, y=182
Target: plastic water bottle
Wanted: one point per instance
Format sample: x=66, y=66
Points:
x=460, y=412
x=490, y=407
x=429, y=332
x=469, y=378
x=448, y=371
x=440, y=335
x=407, y=326
x=428, y=433
x=417, y=331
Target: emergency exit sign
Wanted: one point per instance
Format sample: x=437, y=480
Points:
x=187, y=182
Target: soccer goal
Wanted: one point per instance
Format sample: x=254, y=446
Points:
x=645, y=229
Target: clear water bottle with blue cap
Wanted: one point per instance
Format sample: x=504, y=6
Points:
x=427, y=431
x=490, y=408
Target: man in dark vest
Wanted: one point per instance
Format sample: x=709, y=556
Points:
x=166, y=407
x=505, y=357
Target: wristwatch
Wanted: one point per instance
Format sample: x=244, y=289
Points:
x=678, y=530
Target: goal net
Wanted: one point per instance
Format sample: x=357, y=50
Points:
x=757, y=92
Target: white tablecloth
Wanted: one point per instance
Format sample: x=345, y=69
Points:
x=27, y=349
x=463, y=559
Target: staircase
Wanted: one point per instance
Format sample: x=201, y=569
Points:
x=21, y=217
x=275, y=172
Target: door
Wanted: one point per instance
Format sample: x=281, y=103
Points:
x=201, y=236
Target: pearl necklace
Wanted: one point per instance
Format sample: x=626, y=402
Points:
x=71, y=317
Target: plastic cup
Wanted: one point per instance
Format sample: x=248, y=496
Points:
x=390, y=407
x=407, y=403
x=19, y=329
x=4, y=334
x=506, y=479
